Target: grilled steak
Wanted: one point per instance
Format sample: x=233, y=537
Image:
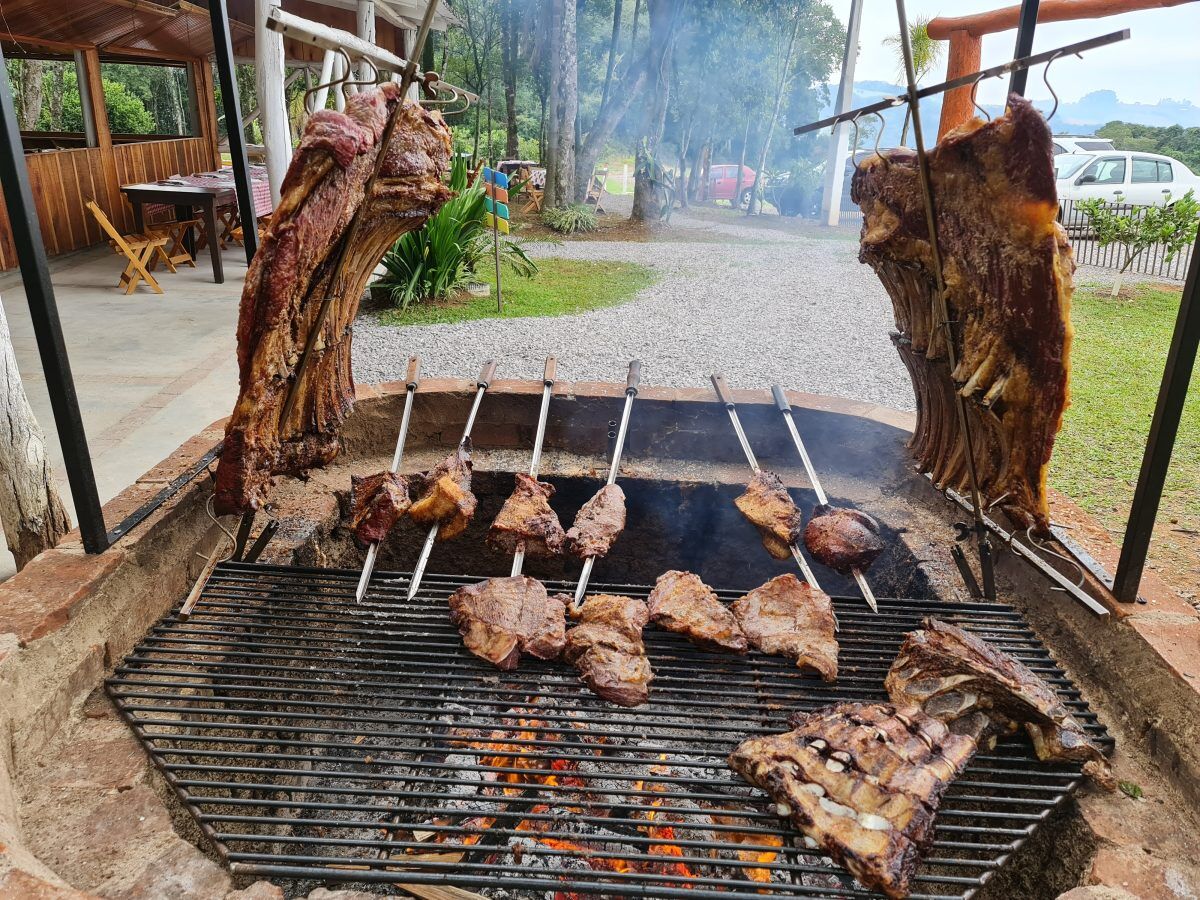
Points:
x=1007, y=268
x=376, y=504
x=444, y=495
x=527, y=519
x=767, y=504
x=501, y=618
x=682, y=602
x=863, y=781
x=290, y=275
x=786, y=617
x=606, y=646
x=598, y=523
x=843, y=539
x=977, y=690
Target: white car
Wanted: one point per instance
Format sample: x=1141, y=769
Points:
x=1073, y=143
x=1140, y=179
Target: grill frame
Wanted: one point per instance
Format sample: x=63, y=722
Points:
x=248, y=614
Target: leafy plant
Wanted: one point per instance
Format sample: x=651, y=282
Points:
x=575, y=217
x=441, y=257
x=1139, y=228
x=1131, y=789
x=926, y=54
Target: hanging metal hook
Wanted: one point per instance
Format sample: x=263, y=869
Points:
x=329, y=85
x=854, y=146
x=369, y=82
x=878, y=135
x=1046, y=82
x=975, y=87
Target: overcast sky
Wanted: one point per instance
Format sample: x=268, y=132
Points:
x=1161, y=60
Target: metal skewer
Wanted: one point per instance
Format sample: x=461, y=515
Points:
x=410, y=389
x=535, y=463
x=781, y=401
x=632, y=380
x=726, y=398
x=484, y=382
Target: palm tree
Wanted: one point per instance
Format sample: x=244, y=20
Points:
x=926, y=54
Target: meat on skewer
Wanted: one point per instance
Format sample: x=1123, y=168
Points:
x=526, y=520
x=501, y=618
x=843, y=539
x=445, y=497
x=787, y=617
x=863, y=781
x=607, y=649
x=598, y=523
x=377, y=503
x=767, y=504
x=683, y=603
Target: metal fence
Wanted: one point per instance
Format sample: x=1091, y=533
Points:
x=1088, y=252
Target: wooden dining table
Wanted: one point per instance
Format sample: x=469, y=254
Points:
x=185, y=198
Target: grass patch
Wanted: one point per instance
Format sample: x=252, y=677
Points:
x=561, y=287
x=1117, y=364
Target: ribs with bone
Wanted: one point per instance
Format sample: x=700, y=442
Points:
x=598, y=523
x=843, y=539
x=768, y=505
x=376, y=505
x=607, y=649
x=786, y=617
x=1007, y=269
x=978, y=690
x=501, y=618
x=290, y=276
x=444, y=495
x=862, y=781
x=681, y=602
x=527, y=521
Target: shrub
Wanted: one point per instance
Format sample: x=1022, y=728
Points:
x=571, y=219
x=1142, y=227
x=441, y=257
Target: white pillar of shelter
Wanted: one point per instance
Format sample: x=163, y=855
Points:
x=339, y=90
x=272, y=98
x=321, y=97
x=410, y=43
x=835, y=166
x=365, y=29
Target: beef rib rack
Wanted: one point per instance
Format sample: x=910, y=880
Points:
x=290, y=276
x=1007, y=269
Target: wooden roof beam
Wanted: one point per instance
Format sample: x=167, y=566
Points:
x=941, y=28
x=144, y=6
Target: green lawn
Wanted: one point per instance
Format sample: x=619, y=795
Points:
x=561, y=287
x=1117, y=363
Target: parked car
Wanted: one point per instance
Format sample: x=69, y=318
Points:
x=1141, y=179
x=1072, y=143
x=722, y=183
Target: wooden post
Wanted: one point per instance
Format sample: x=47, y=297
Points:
x=966, y=51
x=365, y=29
x=272, y=99
x=31, y=513
x=835, y=165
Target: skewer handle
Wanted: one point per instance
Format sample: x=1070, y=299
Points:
x=722, y=389
x=634, y=378
x=550, y=372
x=781, y=401
x=413, y=378
x=488, y=373
x=214, y=557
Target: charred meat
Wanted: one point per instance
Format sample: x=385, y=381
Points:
x=598, y=523
x=526, y=519
x=843, y=539
x=501, y=618
x=606, y=646
x=325, y=185
x=377, y=502
x=786, y=617
x=863, y=781
x=768, y=505
x=977, y=690
x=682, y=602
x=444, y=495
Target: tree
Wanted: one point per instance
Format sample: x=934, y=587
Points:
x=664, y=30
x=29, y=84
x=926, y=54
x=1139, y=228
x=784, y=76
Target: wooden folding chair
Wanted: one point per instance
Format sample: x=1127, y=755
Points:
x=239, y=233
x=140, y=250
x=176, y=234
x=596, y=189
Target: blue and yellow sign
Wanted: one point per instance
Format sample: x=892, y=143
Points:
x=496, y=199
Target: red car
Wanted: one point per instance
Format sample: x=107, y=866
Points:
x=722, y=182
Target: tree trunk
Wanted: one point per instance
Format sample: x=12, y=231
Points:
x=58, y=88
x=701, y=172
x=618, y=5
x=663, y=15
x=736, y=202
x=32, y=516
x=630, y=89
x=681, y=182
x=755, y=204
x=564, y=103
x=637, y=17
x=31, y=92
x=508, y=50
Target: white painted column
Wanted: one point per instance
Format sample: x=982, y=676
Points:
x=835, y=166
x=410, y=38
x=339, y=91
x=366, y=29
x=272, y=100
x=321, y=96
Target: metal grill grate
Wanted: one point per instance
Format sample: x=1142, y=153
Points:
x=315, y=738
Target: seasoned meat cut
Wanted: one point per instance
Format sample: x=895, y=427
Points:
x=843, y=539
x=1007, y=268
x=376, y=504
x=977, y=690
x=682, y=602
x=444, y=495
x=786, y=617
x=863, y=781
x=767, y=504
x=606, y=646
x=501, y=618
x=290, y=276
x=598, y=523
x=527, y=519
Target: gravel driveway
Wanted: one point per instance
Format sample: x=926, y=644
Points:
x=762, y=305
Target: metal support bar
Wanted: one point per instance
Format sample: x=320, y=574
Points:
x=223, y=52
x=43, y=311
x=1164, y=427
x=1029, y=14
x=535, y=462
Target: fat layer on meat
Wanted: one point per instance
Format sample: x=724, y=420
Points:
x=501, y=618
x=598, y=523
x=376, y=504
x=607, y=649
x=843, y=539
x=683, y=603
x=786, y=617
x=527, y=520
x=769, y=507
x=976, y=689
x=444, y=495
x=863, y=781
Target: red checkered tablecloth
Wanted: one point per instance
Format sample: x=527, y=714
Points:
x=259, y=185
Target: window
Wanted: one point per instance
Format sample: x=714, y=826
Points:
x=1165, y=172
x=1106, y=171
x=1144, y=170
x=1067, y=165
x=145, y=100
x=50, y=110
x=1094, y=145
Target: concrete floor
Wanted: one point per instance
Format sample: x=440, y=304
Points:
x=150, y=369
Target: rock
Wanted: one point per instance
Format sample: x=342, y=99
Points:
x=260, y=890
x=1096, y=892
x=16, y=884
x=182, y=873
